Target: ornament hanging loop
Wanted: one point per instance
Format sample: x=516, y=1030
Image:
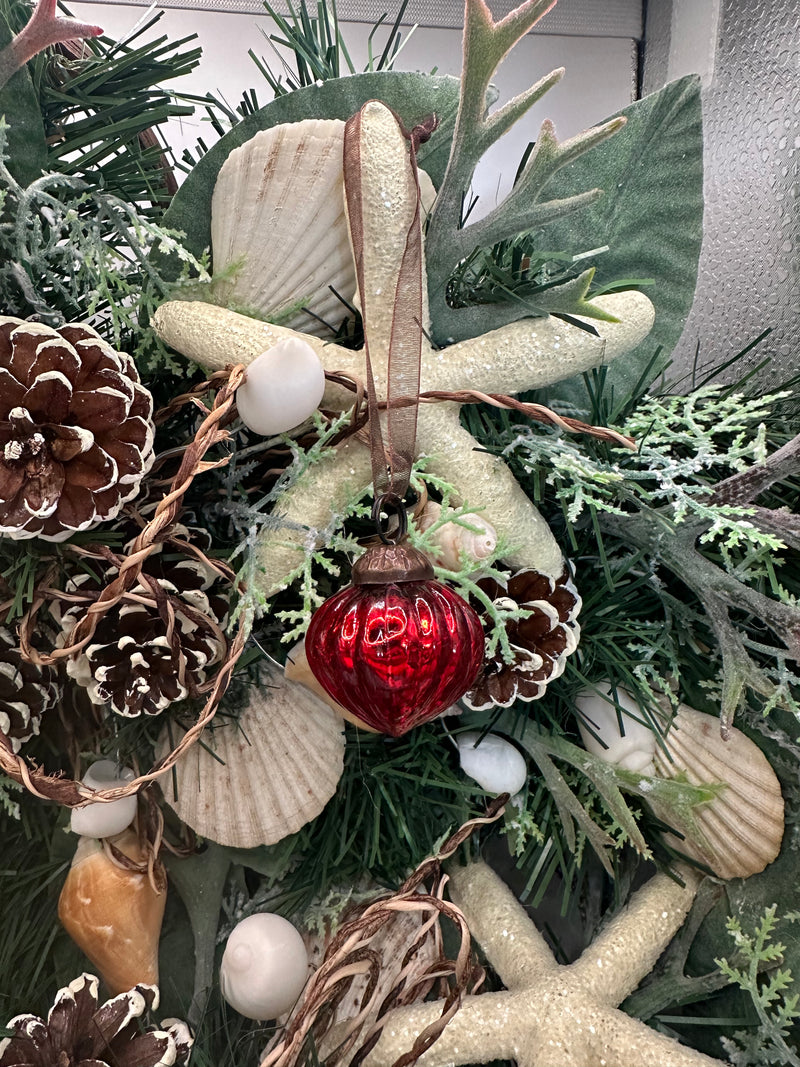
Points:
x=390, y=504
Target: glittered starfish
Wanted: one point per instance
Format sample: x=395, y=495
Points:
x=551, y=1015
x=527, y=354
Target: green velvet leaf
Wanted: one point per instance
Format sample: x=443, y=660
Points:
x=650, y=216
x=19, y=105
x=412, y=96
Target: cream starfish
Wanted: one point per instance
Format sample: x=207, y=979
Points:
x=552, y=1015
x=525, y=355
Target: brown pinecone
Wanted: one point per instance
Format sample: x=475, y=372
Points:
x=26, y=692
x=540, y=643
x=76, y=430
x=79, y=1033
x=156, y=646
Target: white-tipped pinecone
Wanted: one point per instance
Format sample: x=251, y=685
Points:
x=76, y=429
x=81, y=1032
x=159, y=644
x=26, y=692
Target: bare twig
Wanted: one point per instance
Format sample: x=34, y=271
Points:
x=349, y=956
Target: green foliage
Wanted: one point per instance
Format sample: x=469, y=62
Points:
x=756, y=970
x=110, y=282
x=7, y=802
x=19, y=106
x=684, y=444
x=318, y=48
x=98, y=114
x=650, y=216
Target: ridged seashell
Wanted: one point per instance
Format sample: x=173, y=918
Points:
x=278, y=223
x=452, y=540
x=114, y=915
x=739, y=832
x=255, y=781
x=264, y=966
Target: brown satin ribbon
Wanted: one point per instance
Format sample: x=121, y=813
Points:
x=392, y=460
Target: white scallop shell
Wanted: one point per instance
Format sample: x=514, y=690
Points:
x=278, y=224
x=739, y=832
x=271, y=771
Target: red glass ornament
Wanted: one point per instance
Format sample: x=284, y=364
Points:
x=396, y=647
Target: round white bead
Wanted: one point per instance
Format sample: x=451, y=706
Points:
x=284, y=386
x=633, y=748
x=264, y=967
x=494, y=763
x=99, y=819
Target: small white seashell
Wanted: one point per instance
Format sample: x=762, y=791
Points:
x=633, y=747
x=266, y=775
x=740, y=831
x=284, y=386
x=278, y=222
x=264, y=967
x=454, y=541
x=494, y=763
x=98, y=819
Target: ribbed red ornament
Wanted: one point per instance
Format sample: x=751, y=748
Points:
x=396, y=648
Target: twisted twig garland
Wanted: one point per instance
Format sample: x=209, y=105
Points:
x=153, y=534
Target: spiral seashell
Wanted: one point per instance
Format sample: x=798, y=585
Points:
x=258, y=779
x=113, y=914
x=278, y=226
x=740, y=831
x=454, y=541
x=264, y=966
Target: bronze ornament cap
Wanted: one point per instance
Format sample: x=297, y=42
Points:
x=387, y=564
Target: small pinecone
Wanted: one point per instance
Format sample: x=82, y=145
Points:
x=79, y=1032
x=76, y=430
x=26, y=692
x=540, y=643
x=145, y=656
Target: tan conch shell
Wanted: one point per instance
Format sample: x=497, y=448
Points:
x=256, y=780
x=296, y=669
x=455, y=541
x=278, y=222
x=114, y=915
x=739, y=832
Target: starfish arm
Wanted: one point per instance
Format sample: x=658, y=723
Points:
x=387, y=193
x=577, y=1033
x=485, y=480
x=532, y=353
x=628, y=948
x=501, y=926
x=321, y=493
x=215, y=337
x=484, y=1029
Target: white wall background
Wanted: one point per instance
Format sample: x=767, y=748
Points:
x=600, y=76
